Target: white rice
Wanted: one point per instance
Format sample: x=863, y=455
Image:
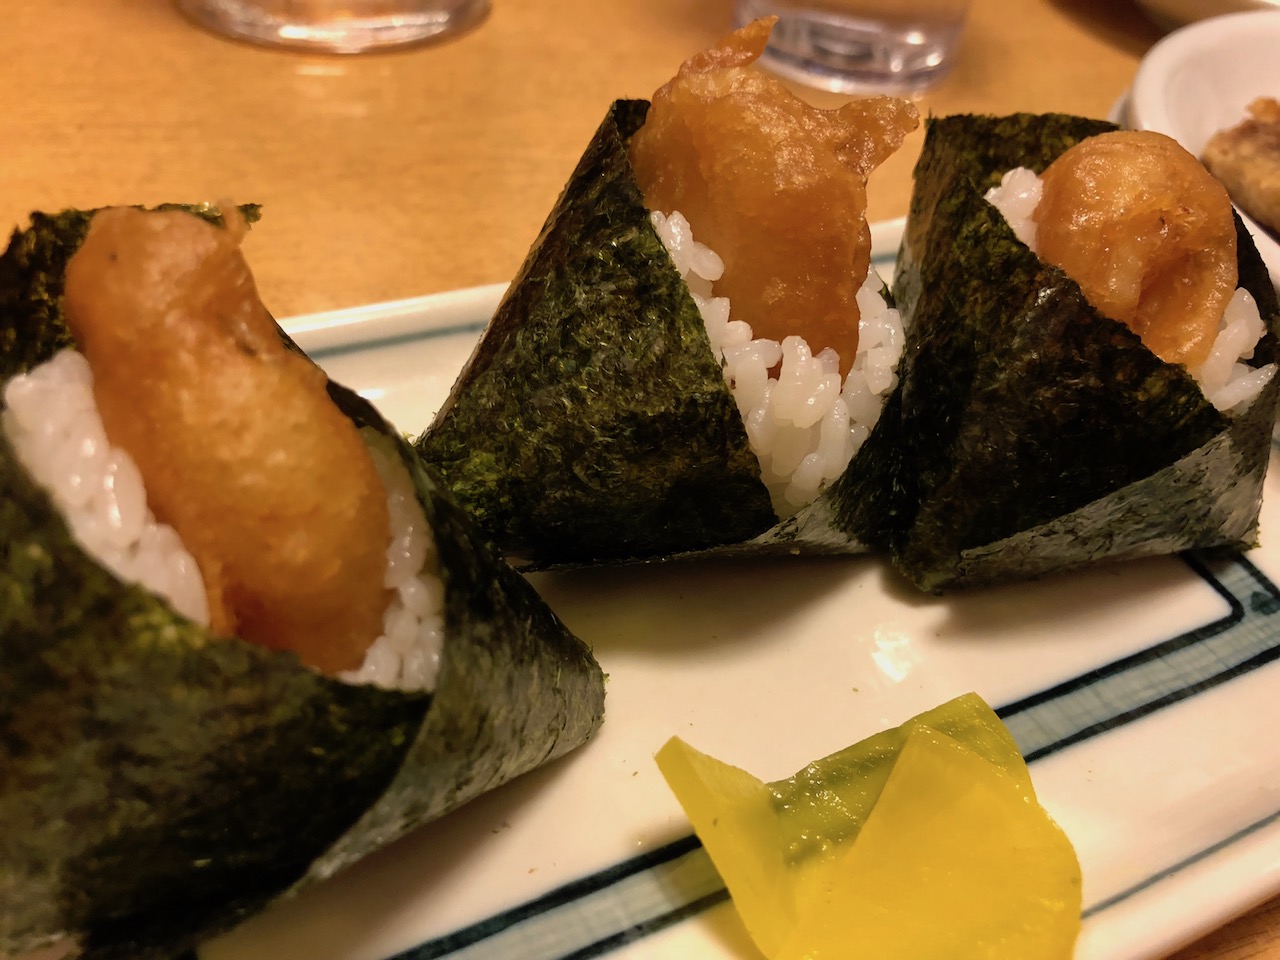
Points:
x=1227, y=382
x=804, y=425
x=52, y=421
x=406, y=655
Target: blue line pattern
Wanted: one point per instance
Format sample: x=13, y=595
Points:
x=604, y=911
x=471, y=328
x=1166, y=673
x=595, y=915
x=1168, y=872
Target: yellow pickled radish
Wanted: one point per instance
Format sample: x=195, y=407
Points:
x=827, y=801
x=955, y=862
x=733, y=815
x=923, y=841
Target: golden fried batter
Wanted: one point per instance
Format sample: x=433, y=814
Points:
x=1246, y=158
x=1148, y=234
x=242, y=452
x=774, y=185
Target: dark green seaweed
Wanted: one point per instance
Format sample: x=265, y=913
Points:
x=592, y=423
x=144, y=780
x=158, y=784
x=516, y=688
x=1035, y=434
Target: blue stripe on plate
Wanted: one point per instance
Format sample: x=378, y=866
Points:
x=471, y=328
x=1181, y=865
x=595, y=915
x=1131, y=688
x=626, y=902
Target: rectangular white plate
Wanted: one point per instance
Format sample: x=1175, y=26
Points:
x=1143, y=694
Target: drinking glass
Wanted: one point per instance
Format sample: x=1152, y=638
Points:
x=336, y=26
x=860, y=45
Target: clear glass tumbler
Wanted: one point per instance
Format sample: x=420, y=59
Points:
x=851, y=46
x=336, y=26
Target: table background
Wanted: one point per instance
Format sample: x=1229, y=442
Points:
x=424, y=170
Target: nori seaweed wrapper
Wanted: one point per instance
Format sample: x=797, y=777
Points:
x=158, y=784
x=1034, y=434
x=593, y=422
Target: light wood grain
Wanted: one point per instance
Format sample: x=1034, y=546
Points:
x=425, y=170
x=406, y=173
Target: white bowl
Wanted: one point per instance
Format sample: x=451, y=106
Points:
x=1201, y=78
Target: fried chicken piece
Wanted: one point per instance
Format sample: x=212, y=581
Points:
x=777, y=187
x=1246, y=158
x=241, y=450
x=1148, y=234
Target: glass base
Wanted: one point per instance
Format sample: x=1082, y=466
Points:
x=355, y=28
x=844, y=53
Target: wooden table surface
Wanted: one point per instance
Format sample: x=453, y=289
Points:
x=425, y=170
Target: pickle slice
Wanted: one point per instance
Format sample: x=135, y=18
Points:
x=925, y=840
